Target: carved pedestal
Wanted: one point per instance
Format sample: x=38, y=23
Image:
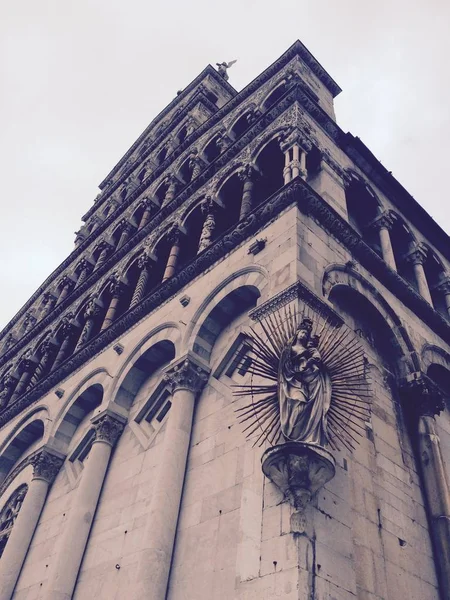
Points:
x=299, y=471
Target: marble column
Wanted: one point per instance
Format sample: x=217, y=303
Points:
x=67, y=333
x=90, y=313
x=105, y=249
x=287, y=167
x=383, y=224
x=67, y=285
x=45, y=468
x=150, y=206
x=186, y=379
x=247, y=175
x=26, y=368
x=424, y=399
x=47, y=351
x=116, y=288
x=208, y=208
x=172, y=261
x=144, y=266
x=83, y=271
x=417, y=258
x=127, y=230
x=66, y=563
x=48, y=302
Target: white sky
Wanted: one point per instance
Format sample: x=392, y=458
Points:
x=80, y=80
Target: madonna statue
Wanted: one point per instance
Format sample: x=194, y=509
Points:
x=304, y=389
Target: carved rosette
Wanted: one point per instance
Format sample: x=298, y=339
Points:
x=108, y=430
x=186, y=375
x=46, y=466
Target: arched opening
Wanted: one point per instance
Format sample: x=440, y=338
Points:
x=230, y=195
x=229, y=308
x=240, y=126
x=142, y=174
x=22, y=443
x=313, y=160
x=362, y=209
x=161, y=156
x=182, y=135
x=185, y=171
x=156, y=357
x=83, y=406
x=160, y=193
x=370, y=325
x=441, y=377
x=212, y=150
x=270, y=162
x=274, y=96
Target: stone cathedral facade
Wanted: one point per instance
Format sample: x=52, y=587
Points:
x=124, y=472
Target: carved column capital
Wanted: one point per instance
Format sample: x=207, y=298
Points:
x=208, y=206
x=108, y=428
x=187, y=374
x=421, y=395
x=248, y=172
x=417, y=256
x=116, y=286
x=92, y=309
x=46, y=465
x=383, y=221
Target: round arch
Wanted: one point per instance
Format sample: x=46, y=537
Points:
x=340, y=276
x=266, y=140
x=30, y=430
x=85, y=398
x=158, y=347
x=434, y=355
x=238, y=292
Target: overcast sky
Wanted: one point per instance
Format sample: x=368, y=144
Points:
x=80, y=80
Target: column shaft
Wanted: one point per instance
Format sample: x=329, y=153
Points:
x=22, y=385
x=145, y=218
x=111, y=313
x=247, y=198
x=156, y=556
x=422, y=283
x=172, y=261
x=386, y=248
x=21, y=535
x=67, y=561
x=287, y=167
x=141, y=286
x=438, y=496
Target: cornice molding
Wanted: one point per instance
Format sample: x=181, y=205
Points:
x=311, y=204
x=222, y=160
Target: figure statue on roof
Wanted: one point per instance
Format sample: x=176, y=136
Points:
x=222, y=68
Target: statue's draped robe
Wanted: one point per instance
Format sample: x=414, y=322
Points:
x=304, y=391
